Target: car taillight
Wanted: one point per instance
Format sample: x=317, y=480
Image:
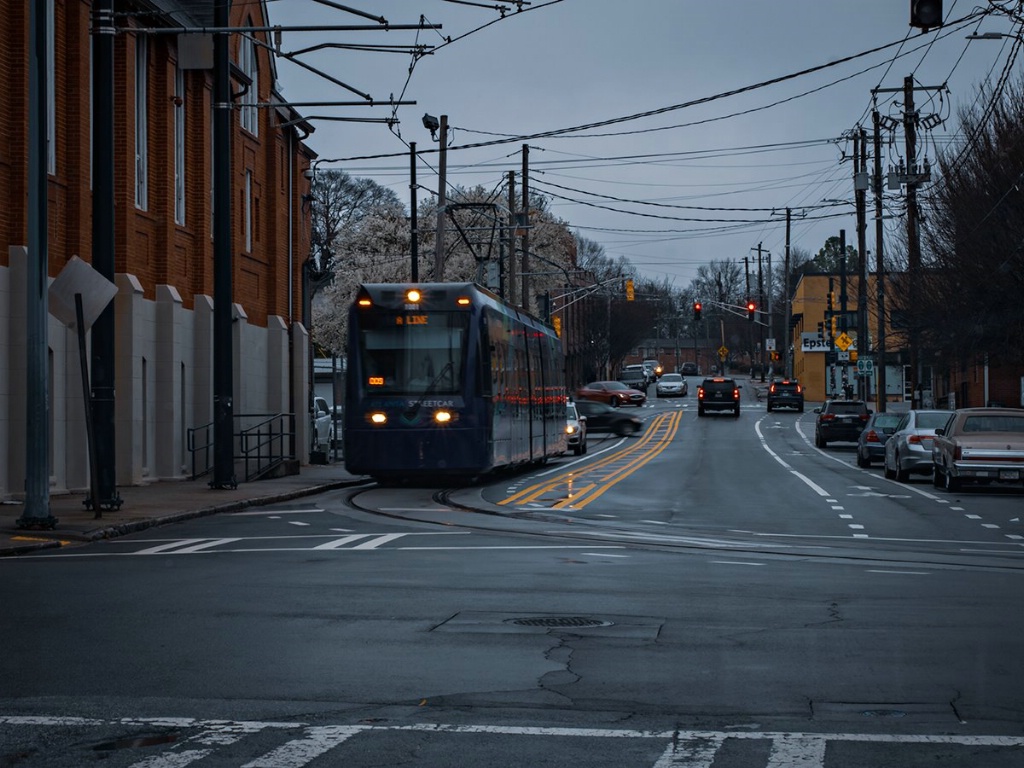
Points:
x=700, y=393
x=918, y=439
x=828, y=417
x=799, y=389
x=736, y=394
x=872, y=437
x=864, y=417
x=957, y=454
x=771, y=388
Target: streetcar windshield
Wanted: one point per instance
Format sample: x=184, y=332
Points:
x=413, y=354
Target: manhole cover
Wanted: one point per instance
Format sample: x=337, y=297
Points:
x=559, y=621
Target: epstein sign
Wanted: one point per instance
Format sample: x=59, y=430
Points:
x=812, y=342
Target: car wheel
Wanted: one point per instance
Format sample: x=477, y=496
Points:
x=769, y=407
x=889, y=474
x=800, y=409
x=863, y=461
x=818, y=442
x=902, y=475
x=936, y=476
x=577, y=450
x=584, y=446
x=737, y=413
x=614, y=402
x=622, y=429
x=700, y=410
x=950, y=483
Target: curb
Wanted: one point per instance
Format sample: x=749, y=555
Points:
x=121, y=529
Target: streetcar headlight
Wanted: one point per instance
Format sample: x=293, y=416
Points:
x=442, y=417
x=378, y=417
x=412, y=296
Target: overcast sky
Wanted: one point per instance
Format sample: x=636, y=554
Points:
x=656, y=75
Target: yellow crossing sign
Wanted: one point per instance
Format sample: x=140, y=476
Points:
x=843, y=341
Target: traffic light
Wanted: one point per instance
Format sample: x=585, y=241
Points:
x=926, y=14
x=696, y=311
x=834, y=323
x=630, y=295
x=831, y=300
x=751, y=308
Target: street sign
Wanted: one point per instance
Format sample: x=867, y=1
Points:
x=843, y=341
x=722, y=352
x=769, y=345
x=865, y=366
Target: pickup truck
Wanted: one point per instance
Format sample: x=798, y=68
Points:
x=979, y=445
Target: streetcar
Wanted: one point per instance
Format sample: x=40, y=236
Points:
x=446, y=380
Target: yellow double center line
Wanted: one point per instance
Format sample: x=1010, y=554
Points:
x=575, y=488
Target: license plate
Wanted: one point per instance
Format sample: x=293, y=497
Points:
x=1009, y=474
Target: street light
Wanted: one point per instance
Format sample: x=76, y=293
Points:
x=434, y=125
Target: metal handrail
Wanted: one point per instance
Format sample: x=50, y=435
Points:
x=261, y=447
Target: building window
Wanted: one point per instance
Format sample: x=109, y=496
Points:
x=248, y=211
x=249, y=113
x=179, y=146
x=141, y=122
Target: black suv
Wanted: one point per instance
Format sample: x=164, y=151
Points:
x=786, y=393
x=840, y=420
x=718, y=394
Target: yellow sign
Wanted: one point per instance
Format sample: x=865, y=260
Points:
x=557, y=322
x=843, y=341
x=722, y=352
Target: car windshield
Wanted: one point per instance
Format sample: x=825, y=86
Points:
x=671, y=378
x=613, y=385
x=847, y=408
x=570, y=412
x=887, y=420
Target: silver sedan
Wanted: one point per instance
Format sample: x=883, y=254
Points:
x=909, y=450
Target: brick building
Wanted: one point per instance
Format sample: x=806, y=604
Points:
x=164, y=248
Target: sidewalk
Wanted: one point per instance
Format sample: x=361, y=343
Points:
x=160, y=503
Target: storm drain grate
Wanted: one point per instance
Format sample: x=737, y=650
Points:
x=559, y=621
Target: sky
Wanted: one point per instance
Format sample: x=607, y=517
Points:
x=702, y=120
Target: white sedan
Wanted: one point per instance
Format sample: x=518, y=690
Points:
x=671, y=385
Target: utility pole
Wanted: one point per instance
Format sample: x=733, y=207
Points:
x=413, y=226
x=103, y=257
x=879, y=263
x=789, y=305
x=512, y=237
x=760, y=304
x=525, y=263
x=223, y=385
x=37, y=430
x=860, y=188
x=913, y=241
x=442, y=201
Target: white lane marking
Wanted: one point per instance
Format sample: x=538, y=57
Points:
x=338, y=543
x=838, y=507
x=907, y=573
x=184, y=546
x=374, y=543
x=846, y=517
x=810, y=483
x=860, y=536
x=973, y=517
x=202, y=546
x=735, y=562
x=277, y=512
x=655, y=522
x=604, y=554
x=297, y=522
x=172, y=759
x=957, y=509
x=797, y=751
x=855, y=526
x=299, y=752
x=1014, y=536
x=989, y=525
x=690, y=753
x=165, y=547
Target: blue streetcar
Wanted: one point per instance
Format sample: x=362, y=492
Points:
x=446, y=380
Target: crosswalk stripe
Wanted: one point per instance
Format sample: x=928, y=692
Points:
x=299, y=752
x=172, y=759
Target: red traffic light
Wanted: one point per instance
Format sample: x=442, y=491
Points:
x=751, y=308
x=696, y=310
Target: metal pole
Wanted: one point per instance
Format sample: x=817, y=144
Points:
x=103, y=261
x=413, y=225
x=511, y=237
x=879, y=263
x=789, y=305
x=37, y=400
x=442, y=202
x=860, y=196
x=525, y=262
x=223, y=407
x=913, y=244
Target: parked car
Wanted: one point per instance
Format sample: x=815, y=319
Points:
x=786, y=393
x=909, y=450
x=690, y=369
x=614, y=393
x=323, y=425
x=872, y=439
x=635, y=376
x=575, y=429
x=604, y=418
x=840, y=420
x=979, y=445
x=718, y=394
x=671, y=385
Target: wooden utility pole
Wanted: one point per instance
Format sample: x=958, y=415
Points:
x=511, y=237
x=442, y=201
x=525, y=262
x=913, y=241
x=860, y=188
x=879, y=264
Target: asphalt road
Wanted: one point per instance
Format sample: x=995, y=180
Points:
x=715, y=593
